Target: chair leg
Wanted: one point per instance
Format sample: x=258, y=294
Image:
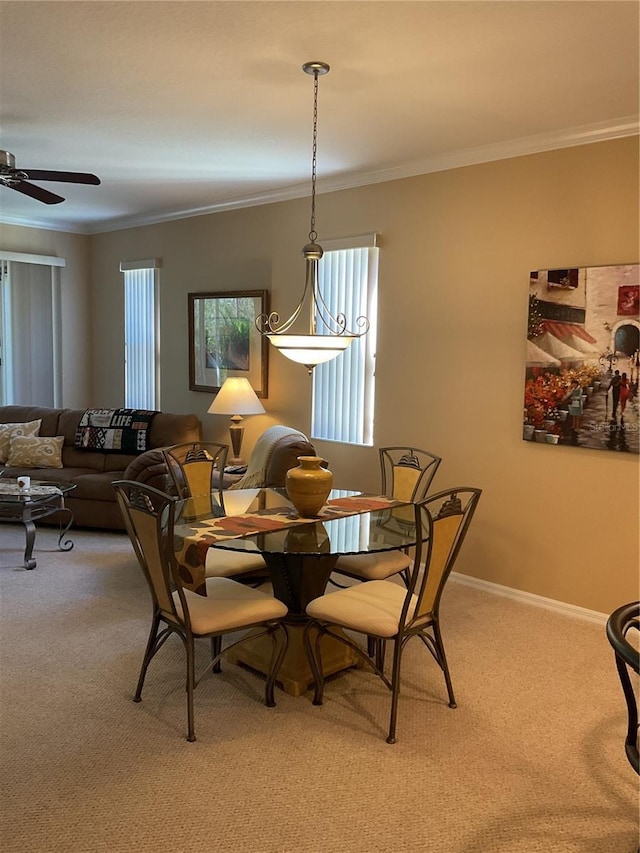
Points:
x=443, y=664
x=279, y=650
x=191, y=735
x=148, y=654
x=371, y=646
x=381, y=648
x=315, y=662
x=395, y=689
x=216, y=648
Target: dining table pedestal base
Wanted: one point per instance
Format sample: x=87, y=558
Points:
x=295, y=676
x=297, y=579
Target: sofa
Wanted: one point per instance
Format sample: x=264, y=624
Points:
x=93, y=501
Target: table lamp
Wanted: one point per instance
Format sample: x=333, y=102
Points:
x=236, y=397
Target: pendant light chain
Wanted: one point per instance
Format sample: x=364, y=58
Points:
x=314, y=162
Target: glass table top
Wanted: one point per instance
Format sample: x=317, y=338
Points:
x=362, y=532
x=39, y=490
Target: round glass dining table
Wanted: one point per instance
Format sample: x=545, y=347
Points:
x=300, y=555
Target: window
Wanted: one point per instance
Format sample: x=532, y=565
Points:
x=30, y=337
x=343, y=389
x=141, y=335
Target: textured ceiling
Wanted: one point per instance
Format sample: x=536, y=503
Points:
x=187, y=106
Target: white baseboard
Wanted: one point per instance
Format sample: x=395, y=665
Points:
x=531, y=598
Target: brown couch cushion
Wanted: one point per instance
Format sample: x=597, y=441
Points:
x=20, y=414
x=74, y=458
x=68, y=423
x=93, y=486
x=165, y=426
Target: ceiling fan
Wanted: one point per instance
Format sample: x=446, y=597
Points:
x=18, y=179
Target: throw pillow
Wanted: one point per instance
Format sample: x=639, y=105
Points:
x=32, y=452
x=7, y=431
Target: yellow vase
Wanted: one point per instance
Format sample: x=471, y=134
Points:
x=308, y=485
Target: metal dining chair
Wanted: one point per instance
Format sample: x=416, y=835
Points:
x=197, y=469
x=619, y=625
x=406, y=474
x=386, y=610
x=227, y=607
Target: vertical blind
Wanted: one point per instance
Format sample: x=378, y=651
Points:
x=343, y=389
x=141, y=335
x=30, y=372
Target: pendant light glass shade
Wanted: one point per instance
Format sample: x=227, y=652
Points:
x=312, y=348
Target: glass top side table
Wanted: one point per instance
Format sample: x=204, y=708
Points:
x=40, y=500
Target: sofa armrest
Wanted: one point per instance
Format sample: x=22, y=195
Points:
x=150, y=469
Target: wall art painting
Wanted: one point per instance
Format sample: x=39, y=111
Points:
x=224, y=340
x=583, y=358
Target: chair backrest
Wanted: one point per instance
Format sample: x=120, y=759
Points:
x=407, y=472
x=627, y=656
x=148, y=516
x=196, y=468
x=442, y=520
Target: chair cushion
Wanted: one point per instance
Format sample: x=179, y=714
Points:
x=372, y=608
x=226, y=564
x=374, y=567
x=228, y=605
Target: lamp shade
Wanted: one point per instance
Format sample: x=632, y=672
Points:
x=236, y=397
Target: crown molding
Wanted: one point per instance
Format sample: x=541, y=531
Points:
x=64, y=226
x=524, y=146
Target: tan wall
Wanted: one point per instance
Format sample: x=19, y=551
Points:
x=75, y=302
x=457, y=248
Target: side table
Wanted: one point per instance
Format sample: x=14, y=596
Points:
x=29, y=505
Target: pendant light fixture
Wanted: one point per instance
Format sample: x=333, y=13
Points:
x=328, y=335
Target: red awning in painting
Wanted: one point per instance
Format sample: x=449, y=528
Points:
x=563, y=330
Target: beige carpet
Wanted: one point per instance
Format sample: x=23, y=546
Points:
x=531, y=760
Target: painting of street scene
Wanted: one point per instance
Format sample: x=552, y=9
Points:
x=583, y=358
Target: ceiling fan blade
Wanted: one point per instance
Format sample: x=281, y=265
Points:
x=68, y=177
x=36, y=192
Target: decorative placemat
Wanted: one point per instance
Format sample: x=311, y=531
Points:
x=193, y=540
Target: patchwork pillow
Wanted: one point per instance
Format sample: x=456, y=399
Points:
x=7, y=431
x=31, y=452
